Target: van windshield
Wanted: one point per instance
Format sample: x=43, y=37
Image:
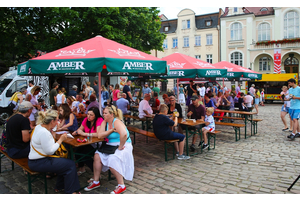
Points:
x=3, y=84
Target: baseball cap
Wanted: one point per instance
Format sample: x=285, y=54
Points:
x=25, y=105
x=252, y=85
x=74, y=87
x=55, y=84
x=194, y=97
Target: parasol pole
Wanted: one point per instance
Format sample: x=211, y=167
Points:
x=177, y=90
x=99, y=89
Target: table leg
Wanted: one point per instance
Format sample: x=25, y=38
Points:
x=187, y=140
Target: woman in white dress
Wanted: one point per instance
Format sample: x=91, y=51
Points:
x=181, y=95
x=61, y=97
x=121, y=163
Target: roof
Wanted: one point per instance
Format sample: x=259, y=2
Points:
x=257, y=11
x=172, y=24
x=201, y=20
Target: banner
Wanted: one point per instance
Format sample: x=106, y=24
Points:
x=277, y=61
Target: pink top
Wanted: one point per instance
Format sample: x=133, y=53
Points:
x=115, y=95
x=87, y=130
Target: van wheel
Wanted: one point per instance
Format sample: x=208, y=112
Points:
x=5, y=114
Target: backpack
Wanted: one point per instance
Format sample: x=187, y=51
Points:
x=3, y=141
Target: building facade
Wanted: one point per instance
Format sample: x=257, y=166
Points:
x=193, y=35
x=251, y=36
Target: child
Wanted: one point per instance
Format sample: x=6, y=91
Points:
x=209, y=126
x=262, y=95
x=42, y=104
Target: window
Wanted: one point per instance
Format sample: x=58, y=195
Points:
x=197, y=40
x=209, y=58
x=165, y=44
x=236, y=31
x=198, y=57
x=209, y=39
x=264, y=32
x=264, y=9
x=16, y=86
x=175, y=43
x=235, y=9
x=264, y=64
x=166, y=29
x=208, y=23
x=186, y=24
x=237, y=58
x=291, y=25
x=186, y=42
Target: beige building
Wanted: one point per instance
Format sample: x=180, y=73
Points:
x=249, y=36
x=193, y=35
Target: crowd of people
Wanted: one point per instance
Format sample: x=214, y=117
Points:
x=31, y=132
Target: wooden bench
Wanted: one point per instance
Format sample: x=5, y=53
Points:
x=224, y=117
x=236, y=127
x=23, y=162
x=254, y=123
x=134, y=118
x=212, y=134
x=168, y=143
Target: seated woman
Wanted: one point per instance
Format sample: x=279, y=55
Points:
x=208, y=102
x=71, y=102
x=90, y=125
x=219, y=106
x=173, y=105
x=241, y=104
x=121, y=163
x=69, y=121
x=43, y=145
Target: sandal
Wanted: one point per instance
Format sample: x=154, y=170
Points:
x=285, y=129
x=79, y=173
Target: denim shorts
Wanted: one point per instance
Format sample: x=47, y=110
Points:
x=256, y=101
x=286, y=109
x=294, y=113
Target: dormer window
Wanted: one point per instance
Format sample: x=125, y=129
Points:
x=264, y=9
x=208, y=23
x=166, y=28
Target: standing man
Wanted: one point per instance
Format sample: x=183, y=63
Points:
x=202, y=90
x=175, y=90
x=144, y=107
x=215, y=89
x=73, y=92
x=96, y=88
x=126, y=90
x=155, y=89
x=31, y=85
x=190, y=90
x=294, y=111
x=146, y=90
x=18, y=132
x=238, y=89
x=252, y=90
x=53, y=94
x=123, y=104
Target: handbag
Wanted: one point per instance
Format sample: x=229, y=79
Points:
x=61, y=152
x=11, y=106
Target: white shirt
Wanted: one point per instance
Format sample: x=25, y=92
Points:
x=144, y=105
x=248, y=100
x=43, y=142
x=29, y=90
x=202, y=91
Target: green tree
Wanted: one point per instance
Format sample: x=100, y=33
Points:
x=25, y=30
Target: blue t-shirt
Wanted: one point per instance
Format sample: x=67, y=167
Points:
x=216, y=89
x=146, y=91
x=122, y=104
x=161, y=127
x=295, y=103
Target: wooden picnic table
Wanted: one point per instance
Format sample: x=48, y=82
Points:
x=246, y=118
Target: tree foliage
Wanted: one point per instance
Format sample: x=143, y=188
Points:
x=25, y=30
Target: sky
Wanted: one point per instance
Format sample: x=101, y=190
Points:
x=172, y=12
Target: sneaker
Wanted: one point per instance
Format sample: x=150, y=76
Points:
x=92, y=186
x=183, y=157
x=118, y=190
x=205, y=146
x=200, y=143
x=297, y=135
x=192, y=147
x=292, y=137
x=177, y=153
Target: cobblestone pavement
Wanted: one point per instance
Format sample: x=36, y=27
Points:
x=265, y=163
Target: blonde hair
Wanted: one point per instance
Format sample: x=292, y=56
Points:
x=115, y=111
x=81, y=104
x=88, y=83
x=46, y=117
x=163, y=108
x=103, y=88
x=210, y=110
x=284, y=87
